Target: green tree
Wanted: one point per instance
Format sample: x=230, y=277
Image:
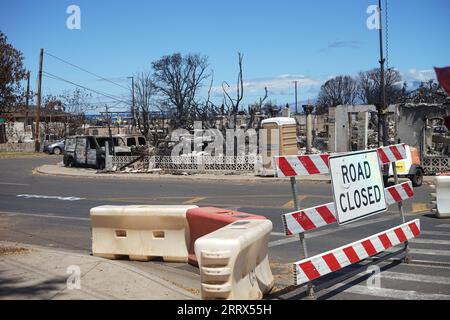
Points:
x=12, y=72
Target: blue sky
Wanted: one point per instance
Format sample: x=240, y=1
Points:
x=282, y=40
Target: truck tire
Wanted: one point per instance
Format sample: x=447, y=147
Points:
x=70, y=162
x=417, y=178
x=101, y=164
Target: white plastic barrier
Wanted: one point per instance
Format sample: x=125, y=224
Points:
x=141, y=232
x=442, y=196
x=234, y=261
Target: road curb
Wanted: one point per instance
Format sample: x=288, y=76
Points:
x=55, y=170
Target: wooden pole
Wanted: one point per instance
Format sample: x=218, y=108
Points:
x=37, y=140
x=27, y=106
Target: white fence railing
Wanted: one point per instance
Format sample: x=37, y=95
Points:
x=189, y=163
x=433, y=165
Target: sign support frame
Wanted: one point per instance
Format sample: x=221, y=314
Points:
x=310, y=287
x=408, y=258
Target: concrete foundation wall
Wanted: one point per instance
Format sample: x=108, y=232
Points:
x=411, y=121
x=341, y=131
x=17, y=147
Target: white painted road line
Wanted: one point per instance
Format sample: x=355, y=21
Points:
x=392, y=293
x=281, y=242
x=36, y=196
x=278, y=234
x=12, y=214
x=415, y=277
x=430, y=241
x=13, y=184
x=443, y=226
x=432, y=252
x=436, y=233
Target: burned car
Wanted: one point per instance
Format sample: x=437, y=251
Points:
x=90, y=151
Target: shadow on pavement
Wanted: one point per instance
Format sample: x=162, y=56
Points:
x=17, y=288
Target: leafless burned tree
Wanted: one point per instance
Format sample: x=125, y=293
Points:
x=337, y=91
x=232, y=105
x=206, y=111
x=144, y=92
x=178, y=80
x=369, y=86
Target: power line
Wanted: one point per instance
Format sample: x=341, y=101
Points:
x=49, y=75
x=82, y=69
x=107, y=95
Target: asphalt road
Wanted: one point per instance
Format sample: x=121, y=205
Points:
x=54, y=211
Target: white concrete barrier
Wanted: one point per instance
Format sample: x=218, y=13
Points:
x=141, y=232
x=442, y=197
x=234, y=262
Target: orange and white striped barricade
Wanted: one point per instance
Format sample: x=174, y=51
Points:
x=234, y=261
x=322, y=264
x=301, y=221
x=313, y=218
x=141, y=232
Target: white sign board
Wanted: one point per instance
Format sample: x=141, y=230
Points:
x=358, y=188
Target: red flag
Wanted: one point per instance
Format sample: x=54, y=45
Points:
x=443, y=76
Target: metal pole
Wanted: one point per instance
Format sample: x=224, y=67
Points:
x=400, y=203
x=37, y=139
x=383, y=107
x=310, y=289
x=380, y=126
x=296, y=99
x=401, y=210
x=402, y=215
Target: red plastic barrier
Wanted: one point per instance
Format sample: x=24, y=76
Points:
x=203, y=221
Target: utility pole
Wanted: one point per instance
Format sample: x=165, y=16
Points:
x=111, y=140
x=296, y=99
x=133, y=111
x=382, y=108
x=37, y=140
x=27, y=101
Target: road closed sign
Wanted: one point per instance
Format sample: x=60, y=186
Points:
x=358, y=188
